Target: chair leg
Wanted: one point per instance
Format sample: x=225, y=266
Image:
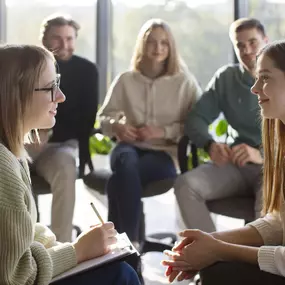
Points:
x=142, y=226
x=36, y=197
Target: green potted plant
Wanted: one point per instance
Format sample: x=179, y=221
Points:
x=98, y=143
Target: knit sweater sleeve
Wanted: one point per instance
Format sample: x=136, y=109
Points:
x=22, y=259
x=271, y=256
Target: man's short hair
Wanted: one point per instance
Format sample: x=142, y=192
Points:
x=57, y=20
x=246, y=24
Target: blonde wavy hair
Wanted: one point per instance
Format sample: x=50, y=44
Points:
x=173, y=63
x=273, y=138
x=20, y=69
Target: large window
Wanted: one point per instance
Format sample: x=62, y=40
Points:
x=271, y=13
x=200, y=29
x=24, y=18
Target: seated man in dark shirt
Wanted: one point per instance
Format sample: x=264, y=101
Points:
x=55, y=160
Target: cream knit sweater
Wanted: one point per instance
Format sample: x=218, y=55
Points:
x=271, y=256
x=29, y=253
x=137, y=100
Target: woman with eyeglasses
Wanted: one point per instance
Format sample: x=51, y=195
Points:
x=29, y=252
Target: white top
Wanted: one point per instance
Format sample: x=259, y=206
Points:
x=139, y=100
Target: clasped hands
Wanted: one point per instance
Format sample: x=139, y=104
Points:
x=130, y=134
x=239, y=155
x=194, y=252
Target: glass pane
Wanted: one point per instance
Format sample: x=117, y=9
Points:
x=271, y=14
x=200, y=29
x=24, y=18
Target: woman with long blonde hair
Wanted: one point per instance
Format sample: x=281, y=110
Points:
x=29, y=251
x=145, y=110
x=254, y=254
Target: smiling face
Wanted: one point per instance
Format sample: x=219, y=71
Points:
x=270, y=88
x=42, y=110
x=157, y=46
x=61, y=41
x=246, y=44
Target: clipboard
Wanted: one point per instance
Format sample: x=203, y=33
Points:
x=119, y=252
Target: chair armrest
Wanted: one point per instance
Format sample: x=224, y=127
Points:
x=183, y=156
x=194, y=151
x=182, y=153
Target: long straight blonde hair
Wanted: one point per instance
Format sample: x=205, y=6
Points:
x=20, y=69
x=274, y=169
x=273, y=138
x=173, y=63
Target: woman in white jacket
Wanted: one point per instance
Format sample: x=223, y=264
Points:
x=145, y=110
x=254, y=254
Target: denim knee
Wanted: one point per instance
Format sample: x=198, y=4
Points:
x=125, y=162
x=124, y=158
x=127, y=275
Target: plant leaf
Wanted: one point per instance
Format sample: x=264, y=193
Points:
x=222, y=128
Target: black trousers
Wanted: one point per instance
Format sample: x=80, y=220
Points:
x=238, y=273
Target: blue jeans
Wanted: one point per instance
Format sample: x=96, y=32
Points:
x=133, y=169
x=114, y=274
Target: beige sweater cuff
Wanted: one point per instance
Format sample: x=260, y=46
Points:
x=63, y=257
x=264, y=230
x=266, y=259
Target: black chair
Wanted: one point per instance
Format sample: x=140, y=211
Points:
x=98, y=178
x=235, y=207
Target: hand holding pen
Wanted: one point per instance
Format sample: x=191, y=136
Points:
x=96, y=241
x=97, y=213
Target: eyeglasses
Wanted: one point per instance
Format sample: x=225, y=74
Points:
x=53, y=89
